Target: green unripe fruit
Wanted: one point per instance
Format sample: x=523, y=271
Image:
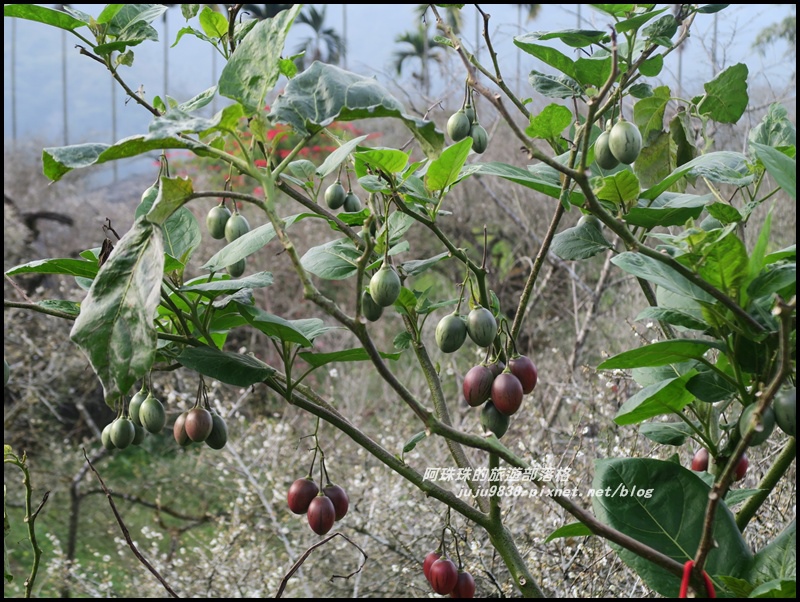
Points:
x=122, y=433
x=625, y=141
x=469, y=111
x=216, y=220
x=602, y=153
x=352, y=204
x=152, y=415
x=458, y=126
x=481, y=326
x=451, y=332
x=335, y=195
x=480, y=139
x=135, y=405
x=237, y=269
x=105, y=437
x=494, y=421
x=139, y=436
x=371, y=310
x=785, y=406
x=590, y=220
x=219, y=433
x=767, y=424
x=384, y=286
x=237, y=226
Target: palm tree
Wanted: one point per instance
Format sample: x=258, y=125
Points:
x=325, y=44
x=419, y=47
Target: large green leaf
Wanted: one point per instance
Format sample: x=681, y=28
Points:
x=42, y=14
x=275, y=326
x=551, y=56
x=775, y=129
x=620, y=189
x=67, y=266
x=225, y=284
x=337, y=157
x=782, y=168
x=579, y=242
x=648, y=113
x=61, y=160
x=666, y=433
x=666, y=397
x=659, y=354
x=445, y=170
x=115, y=327
x=773, y=279
x=661, y=274
x=545, y=179
x=724, y=264
x=335, y=260
x=254, y=69
x=669, y=520
x=227, y=367
x=691, y=320
x=555, y=86
x=778, y=560
x=323, y=94
x=669, y=209
x=570, y=530
x=248, y=243
x=550, y=122
x=726, y=95
x=710, y=386
x=724, y=167
x=576, y=38
x=357, y=354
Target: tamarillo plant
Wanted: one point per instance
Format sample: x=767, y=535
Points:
x=674, y=213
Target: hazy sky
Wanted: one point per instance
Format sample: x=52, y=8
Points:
x=371, y=33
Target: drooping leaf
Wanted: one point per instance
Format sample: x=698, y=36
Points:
x=576, y=38
x=674, y=317
x=664, y=398
x=225, y=284
x=710, y=387
x=657, y=160
x=670, y=519
x=570, y=530
x=773, y=279
x=66, y=266
x=782, y=168
x=335, y=260
x=274, y=326
x=778, y=560
x=637, y=21
x=669, y=209
x=545, y=180
x=555, y=86
x=115, y=327
x=659, y=273
x=225, y=366
x=357, y=354
x=324, y=93
x=42, y=14
x=648, y=113
x=724, y=167
x=666, y=433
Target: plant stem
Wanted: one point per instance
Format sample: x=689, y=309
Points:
x=767, y=484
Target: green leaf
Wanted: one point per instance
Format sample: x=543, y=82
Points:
x=669, y=209
x=70, y=267
x=227, y=367
x=666, y=397
x=580, y=242
x=389, y=160
x=225, y=284
x=337, y=157
x=773, y=279
x=711, y=8
x=659, y=354
x=550, y=56
x=402, y=341
x=59, y=161
x=726, y=214
x=690, y=321
x=115, y=327
x=41, y=14
x=181, y=232
x=641, y=90
x=189, y=11
x=550, y=123
x=555, y=86
x=214, y=23
x=67, y=307
x=303, y=169
x=412, y=443
x=661, y=31
x=656, y=161
x=670, y=520
x=323, y=94
x=726, y=95
x=253, y=70
x=620, y=189
x=637, y=21
x=415, y=267
x=648, y=113
x=335, y=260
x=775, y=129
x=778, y=560
x=737, y=496
x=782, y=168
x=777, y=588
x=274, y=326
x=710, y=387
x=666, y=433
x=576, y=38
x=444, y=171
x=654, y=271
x=724, y=167
x=357, y=354
x=724, y=264
x=645, y=377
x=682, y=139
x=593, y=71
x=570, y=530
x=615, y=10
x=248, y=243
x=545, y=180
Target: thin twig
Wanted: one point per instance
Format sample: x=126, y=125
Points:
x=125, y=532
x=307, y=553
